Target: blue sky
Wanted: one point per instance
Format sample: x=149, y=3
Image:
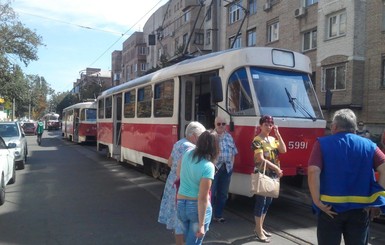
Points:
x=79, y=33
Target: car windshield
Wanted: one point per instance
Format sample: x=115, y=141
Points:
x=8, y=131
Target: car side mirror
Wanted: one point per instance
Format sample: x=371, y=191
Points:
x=12, y=145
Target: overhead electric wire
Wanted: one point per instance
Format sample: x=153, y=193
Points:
x=68, y=23
x=125, y=33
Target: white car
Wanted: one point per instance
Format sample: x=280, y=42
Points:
x=12, y=132
x=7, y=167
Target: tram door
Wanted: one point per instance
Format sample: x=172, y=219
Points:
x=187, y=94
x=117, y=127
x=204, y=112
x=76, y=124
x=196, y=101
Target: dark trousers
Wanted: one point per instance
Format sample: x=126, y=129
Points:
x=352, y=224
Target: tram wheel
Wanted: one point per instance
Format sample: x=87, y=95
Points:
x=155, y=169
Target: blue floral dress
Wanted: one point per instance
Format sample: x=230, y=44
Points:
x=167, y=212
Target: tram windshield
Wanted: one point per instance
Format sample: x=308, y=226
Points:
x=285, y=94
x=91, y=115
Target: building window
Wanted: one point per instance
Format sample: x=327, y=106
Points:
x=199, y=37
x=334, y=77
x=159, y=54
x=252, y=7
x=208, y=13
x=235, y=12
x=383, y=72
x=237, y=43
x=307, y=3
x=252, y=38
x=185, y=38
x=337, y=25
x=273, y=32
x=208, y=37
x=310, y=40
x=143, y=66
x=186, y=16
x=142, y=50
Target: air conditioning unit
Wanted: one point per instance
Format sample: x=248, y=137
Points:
x=267, y=6
x=300, y=12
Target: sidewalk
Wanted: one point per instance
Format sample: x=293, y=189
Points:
x=237, y=231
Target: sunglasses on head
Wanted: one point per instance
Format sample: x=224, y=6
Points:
x=219, y=124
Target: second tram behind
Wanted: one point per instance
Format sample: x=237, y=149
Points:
x=51, y=121
x=79, y=122
x=140, y=120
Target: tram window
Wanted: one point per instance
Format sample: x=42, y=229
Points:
x=239, y=97
x=164, y=99
x=83, y=115
x=108, y=107
x=144, y=102
x=101, y=109
x=129, y=104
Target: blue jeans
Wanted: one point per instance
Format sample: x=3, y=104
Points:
x=261, y=205
x=352, y=224
x=219, y=190
x=188, y=214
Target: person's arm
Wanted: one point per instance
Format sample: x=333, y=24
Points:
x=313, y=173
x=281, y=146
x=381, y=175
x=258, y=157
x=169, y=161
x=178, y=167
x=203, y=202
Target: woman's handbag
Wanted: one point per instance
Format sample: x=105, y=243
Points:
x=263, y=185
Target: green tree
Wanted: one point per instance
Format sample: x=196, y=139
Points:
x=39, y=91
x=16, y=43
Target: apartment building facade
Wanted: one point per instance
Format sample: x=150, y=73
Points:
x=344, y=39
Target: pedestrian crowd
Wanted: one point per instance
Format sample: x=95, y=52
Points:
x=345, y=193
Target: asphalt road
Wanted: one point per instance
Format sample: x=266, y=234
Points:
x=70, y=194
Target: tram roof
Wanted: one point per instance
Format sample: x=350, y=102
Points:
x=207, y=62
x=87, y=104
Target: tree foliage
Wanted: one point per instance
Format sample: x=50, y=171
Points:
x=17, y=42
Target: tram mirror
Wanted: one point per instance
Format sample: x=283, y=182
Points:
x=216, y=89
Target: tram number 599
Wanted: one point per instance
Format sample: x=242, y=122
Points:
x=297, y=145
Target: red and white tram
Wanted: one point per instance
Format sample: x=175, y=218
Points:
x=79, y=122
x=139, y=121
x=51, y=121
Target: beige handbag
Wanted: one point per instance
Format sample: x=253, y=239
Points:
x=263, y=185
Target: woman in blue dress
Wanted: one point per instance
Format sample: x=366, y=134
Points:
x=167, y=213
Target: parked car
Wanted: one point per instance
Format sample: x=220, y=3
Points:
x=29, y=128
x=7, y=167
x=12, y=132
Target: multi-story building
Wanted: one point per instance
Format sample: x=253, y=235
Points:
x=134, y=55
x=344, y=39
x=91, y=83
x=116, y=67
